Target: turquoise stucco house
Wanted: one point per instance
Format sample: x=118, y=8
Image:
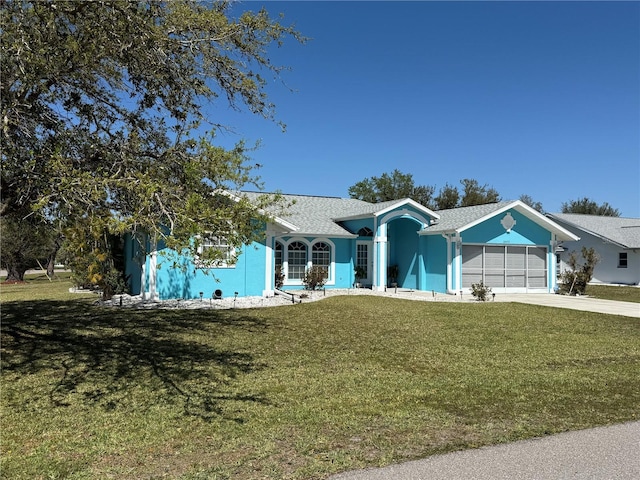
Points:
x=507, y=245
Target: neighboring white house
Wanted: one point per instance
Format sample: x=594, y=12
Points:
x=616, y=240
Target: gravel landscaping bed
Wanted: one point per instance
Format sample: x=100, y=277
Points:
x=299, y=296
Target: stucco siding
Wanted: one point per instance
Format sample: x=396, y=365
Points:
x=524, y=232
x=607, y=269
x=186, y=280
x=343, y=250
x=354, y=226
x=403, y=242
x=435, y=264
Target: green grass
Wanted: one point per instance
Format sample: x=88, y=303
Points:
x=623, y=294
x=296, y=392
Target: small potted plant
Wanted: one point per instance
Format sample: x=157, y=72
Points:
x=359, y=273
x=392, y=274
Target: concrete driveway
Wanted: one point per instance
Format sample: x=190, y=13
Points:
x=587, y=304
x=604, y=453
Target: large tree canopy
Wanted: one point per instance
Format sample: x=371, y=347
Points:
x=398, y=185
x=103, y=109
x=392, y=186
x=587, y=206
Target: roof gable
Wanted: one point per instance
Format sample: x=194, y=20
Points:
x=457, y=220
x=379, y=209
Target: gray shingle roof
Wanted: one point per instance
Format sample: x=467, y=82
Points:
x=320, y=216
x=623, y=231
x=315, y=215
x=456, y=218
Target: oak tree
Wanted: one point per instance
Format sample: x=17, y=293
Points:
x=586, y=206
x=105, y=114
x=393, y=186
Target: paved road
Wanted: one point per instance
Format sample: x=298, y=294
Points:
x=604, y=453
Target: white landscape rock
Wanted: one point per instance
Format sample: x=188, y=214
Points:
x=300, y=296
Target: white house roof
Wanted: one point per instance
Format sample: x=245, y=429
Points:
x=619, y=230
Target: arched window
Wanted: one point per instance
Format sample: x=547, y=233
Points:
x=365, y=232
x=321, y=256
x=297, y=260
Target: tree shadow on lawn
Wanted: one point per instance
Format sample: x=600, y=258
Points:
x=126, y=358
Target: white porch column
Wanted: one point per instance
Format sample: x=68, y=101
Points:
x=380, y=259
x=268, y=265
x=552, y=270
x=449, y=266
x=457, y=273
x=153, y=271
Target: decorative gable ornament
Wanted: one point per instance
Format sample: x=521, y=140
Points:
x=508, y=222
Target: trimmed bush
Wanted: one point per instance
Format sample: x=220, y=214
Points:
x=480, y=291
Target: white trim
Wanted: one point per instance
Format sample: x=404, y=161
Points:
x=449, y=265
x=526, y=289
x=283, y=223
x=405, y=213
x=529, y=212
x=371, y=277
x=408, y=201
x=315, y=234
x=153, y=294
x=380, y=257
x=269, y=271
x=143, y=278
x=309, y=244
x=232, y=253
x=153, y=274
x=457, y=280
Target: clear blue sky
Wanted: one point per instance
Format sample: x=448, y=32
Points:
x=537, y=98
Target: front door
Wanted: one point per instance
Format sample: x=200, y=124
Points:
x=364, y=260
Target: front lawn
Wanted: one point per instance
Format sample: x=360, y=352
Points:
x=299, y=391
x=609, y=292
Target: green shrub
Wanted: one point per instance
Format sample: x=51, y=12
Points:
x=574, y=281
x=480, y=291
x=315, y=277
x=279, y=277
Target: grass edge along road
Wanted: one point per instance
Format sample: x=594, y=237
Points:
x=296, y=392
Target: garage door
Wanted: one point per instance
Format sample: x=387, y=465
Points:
x=504, y=266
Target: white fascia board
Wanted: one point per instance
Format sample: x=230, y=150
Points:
x=325, y=235
x=437, y=232
x=407, y=201
x=283, y=223
x=352, y=217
